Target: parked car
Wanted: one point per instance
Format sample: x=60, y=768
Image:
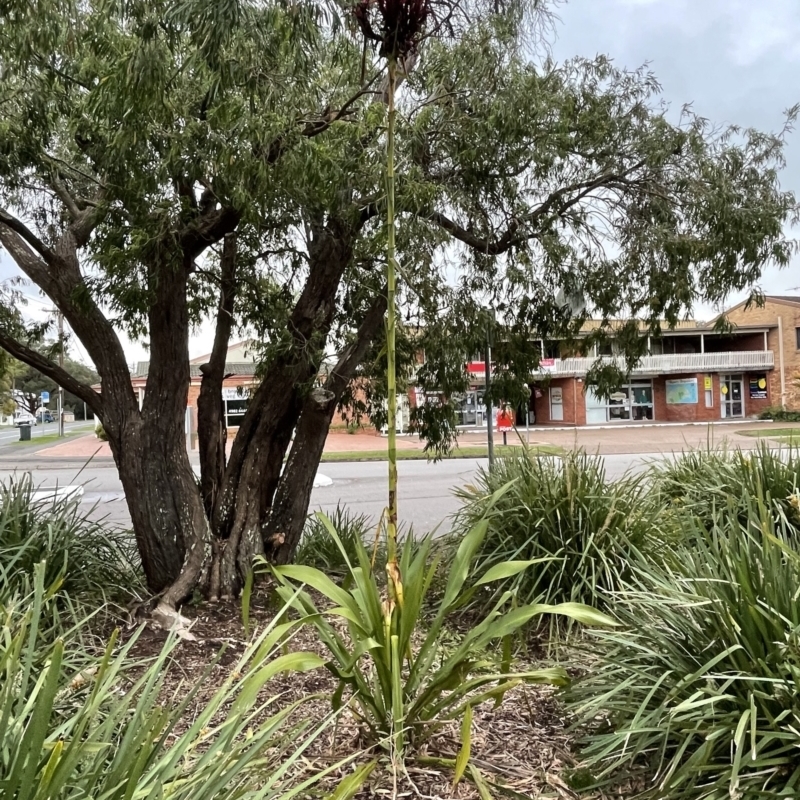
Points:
x=45, y=416
x=24, y=418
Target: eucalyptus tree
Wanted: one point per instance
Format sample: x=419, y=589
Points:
x=169, y=162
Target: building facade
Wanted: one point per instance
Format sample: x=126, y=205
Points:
x=693, y=373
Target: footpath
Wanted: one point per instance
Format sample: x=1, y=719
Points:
x=632, y=438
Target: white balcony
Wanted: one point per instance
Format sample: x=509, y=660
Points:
x=745, y=360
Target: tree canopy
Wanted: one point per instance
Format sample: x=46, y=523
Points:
x=168, y=163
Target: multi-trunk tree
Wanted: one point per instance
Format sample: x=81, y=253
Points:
x=166, y=163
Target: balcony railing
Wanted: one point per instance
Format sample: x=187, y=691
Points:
x=665, y=364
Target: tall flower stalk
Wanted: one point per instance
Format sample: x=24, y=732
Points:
x=391, y=316
x=398, y=26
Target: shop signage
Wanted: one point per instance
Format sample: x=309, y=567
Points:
x=707, y=382
x=682, y=391
x=505, y=422
x=758, y=387
x=235, y=393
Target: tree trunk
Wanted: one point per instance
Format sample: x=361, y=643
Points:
x=165, y=507
x=211, y=430
x=257, y=454
x=284, y=525
x=162, y=492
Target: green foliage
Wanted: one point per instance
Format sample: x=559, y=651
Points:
x=779, y=414
x=78, y=725
x=100, y=433
x=703, y=483
x=86, y=558
x=697, y=695
x=319, y=549
x=580, y=528
x=404, y=681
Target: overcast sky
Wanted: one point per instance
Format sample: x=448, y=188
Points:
x=735, y=61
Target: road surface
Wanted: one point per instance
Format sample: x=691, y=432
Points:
x=426, y=497
x=9, y=436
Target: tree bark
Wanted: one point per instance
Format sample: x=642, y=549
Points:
x=284, y=524
x=257, y=454
x=211, y=432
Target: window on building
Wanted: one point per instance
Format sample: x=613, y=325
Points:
x=797, y=337
x=633, y=401
x=235, y=401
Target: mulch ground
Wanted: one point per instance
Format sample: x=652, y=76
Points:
x=521, y=748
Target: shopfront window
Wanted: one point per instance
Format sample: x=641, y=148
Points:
x=633, y=401
x=471, y=410
x=235, y=401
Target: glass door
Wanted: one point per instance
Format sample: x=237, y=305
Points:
x=467, y=412
x=732, y=396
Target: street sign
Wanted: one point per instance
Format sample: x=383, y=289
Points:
x=45, y=398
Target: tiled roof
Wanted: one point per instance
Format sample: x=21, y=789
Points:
x=238, y=368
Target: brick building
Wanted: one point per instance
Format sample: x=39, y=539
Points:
x=240, y=369
x=692, y=373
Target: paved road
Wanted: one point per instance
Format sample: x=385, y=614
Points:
x=9, y=436
x=425, y=501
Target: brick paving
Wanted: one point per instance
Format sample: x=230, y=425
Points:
x=622, y=439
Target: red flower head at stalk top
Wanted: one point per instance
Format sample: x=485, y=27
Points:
x=398, y=25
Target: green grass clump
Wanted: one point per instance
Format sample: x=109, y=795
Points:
x=564, y=514
x=80, y=724
x=319, y=549
x=703, y=483
x=697, y=695
x=84, y=557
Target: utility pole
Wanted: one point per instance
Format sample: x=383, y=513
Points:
x=488, y=397
x=60, y=364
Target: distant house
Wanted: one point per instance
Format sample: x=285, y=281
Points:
x=240, y=370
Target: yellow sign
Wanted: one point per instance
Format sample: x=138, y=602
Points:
x=724, y=390
x=762, y=383
x=708, y=382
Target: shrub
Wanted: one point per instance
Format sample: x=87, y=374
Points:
x=78, y=726
x=704, y=483
x=699, y=690
x=779, y=414
x=319, y=549
x=579, y=527
x=404, y=681
x=85, y=557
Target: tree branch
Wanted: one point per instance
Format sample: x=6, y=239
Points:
x=352, y=355
x=511, y=236
x=207, y=230
x=25, y=233
x=47, y=367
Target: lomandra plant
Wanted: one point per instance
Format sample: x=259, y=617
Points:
x=704, y=483
x=85, y=557
x=77, y=725
x=403, y=681
x=580, y=529
x=697, y=694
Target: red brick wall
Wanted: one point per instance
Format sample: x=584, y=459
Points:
x=573, y=402
x=698, y=412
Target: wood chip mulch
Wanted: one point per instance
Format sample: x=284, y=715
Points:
x=522, y=748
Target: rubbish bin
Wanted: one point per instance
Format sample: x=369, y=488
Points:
x=24, y=433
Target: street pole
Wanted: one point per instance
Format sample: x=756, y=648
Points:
x=60, y=364
x=488, y=398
